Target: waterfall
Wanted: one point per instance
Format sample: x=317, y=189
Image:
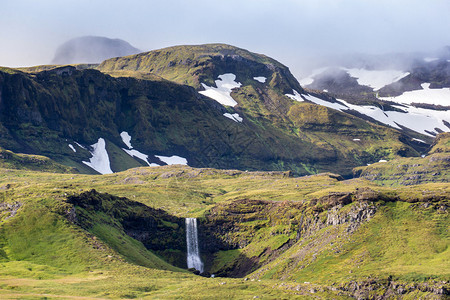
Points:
x=193, y=254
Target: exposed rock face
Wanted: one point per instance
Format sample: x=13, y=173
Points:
x=225, y=227
x=379, y=289
x=9, y=210
x=91, y=49
x=360, y=212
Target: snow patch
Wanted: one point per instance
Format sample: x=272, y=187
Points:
x=430, y=59
x=382, y=160
x=173, y=160
x=376, y=79
x=72, y=147
x=418, y=140
x=126, y=139
x=261, y=79
x=420, y=119
x=79, y=145
x=426, y=95
x=336, y=106
x=100, y=159
x=144, y=157
x=356, y=140
x=222, y=93
x=296, y=96
x=234, y=117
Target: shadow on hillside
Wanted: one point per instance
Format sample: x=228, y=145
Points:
x=160, y=232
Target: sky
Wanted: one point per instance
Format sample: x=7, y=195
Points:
x=291, y=31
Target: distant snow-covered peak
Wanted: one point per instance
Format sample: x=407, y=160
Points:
x=425, y=121
x=222, y=92
x=376, y=79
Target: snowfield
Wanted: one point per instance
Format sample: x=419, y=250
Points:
x=261, y=79
x=234, y=117
x=100, y=159
x=144, y=157
x=420, y=119
x=222, y=93
x=173, y=160
x=376, y=79
x=336, y=106
x=296, y=96
x=424, y=121
x=426, y=95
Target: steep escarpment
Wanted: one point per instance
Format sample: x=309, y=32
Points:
x=63, y=113
x=116, y=219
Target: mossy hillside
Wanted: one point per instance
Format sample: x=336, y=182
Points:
x=83, y=106
x=186, y=191
x=115, y=220
x=103, y=264
x=64, y=105
x=394, y=242
x=11, y=160
x=258, y=235
x=265, y=106
x=44, y=255
x=433, y=167
x=196, y=64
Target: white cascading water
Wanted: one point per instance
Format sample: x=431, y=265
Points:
x=193, y=254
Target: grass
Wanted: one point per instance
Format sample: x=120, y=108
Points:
x=44, y=255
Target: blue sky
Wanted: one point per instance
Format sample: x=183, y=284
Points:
x=290, y=31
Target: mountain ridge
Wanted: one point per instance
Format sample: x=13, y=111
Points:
x=265, y=130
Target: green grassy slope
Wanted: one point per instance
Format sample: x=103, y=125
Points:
x=11, y=160
x=275, y=228
x=433, y=167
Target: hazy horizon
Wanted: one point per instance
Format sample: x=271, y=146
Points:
x=293, y=32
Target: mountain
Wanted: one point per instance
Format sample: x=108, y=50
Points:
x=159, y=121
x=91, y=49
x=205, y=106
x=413, y=97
